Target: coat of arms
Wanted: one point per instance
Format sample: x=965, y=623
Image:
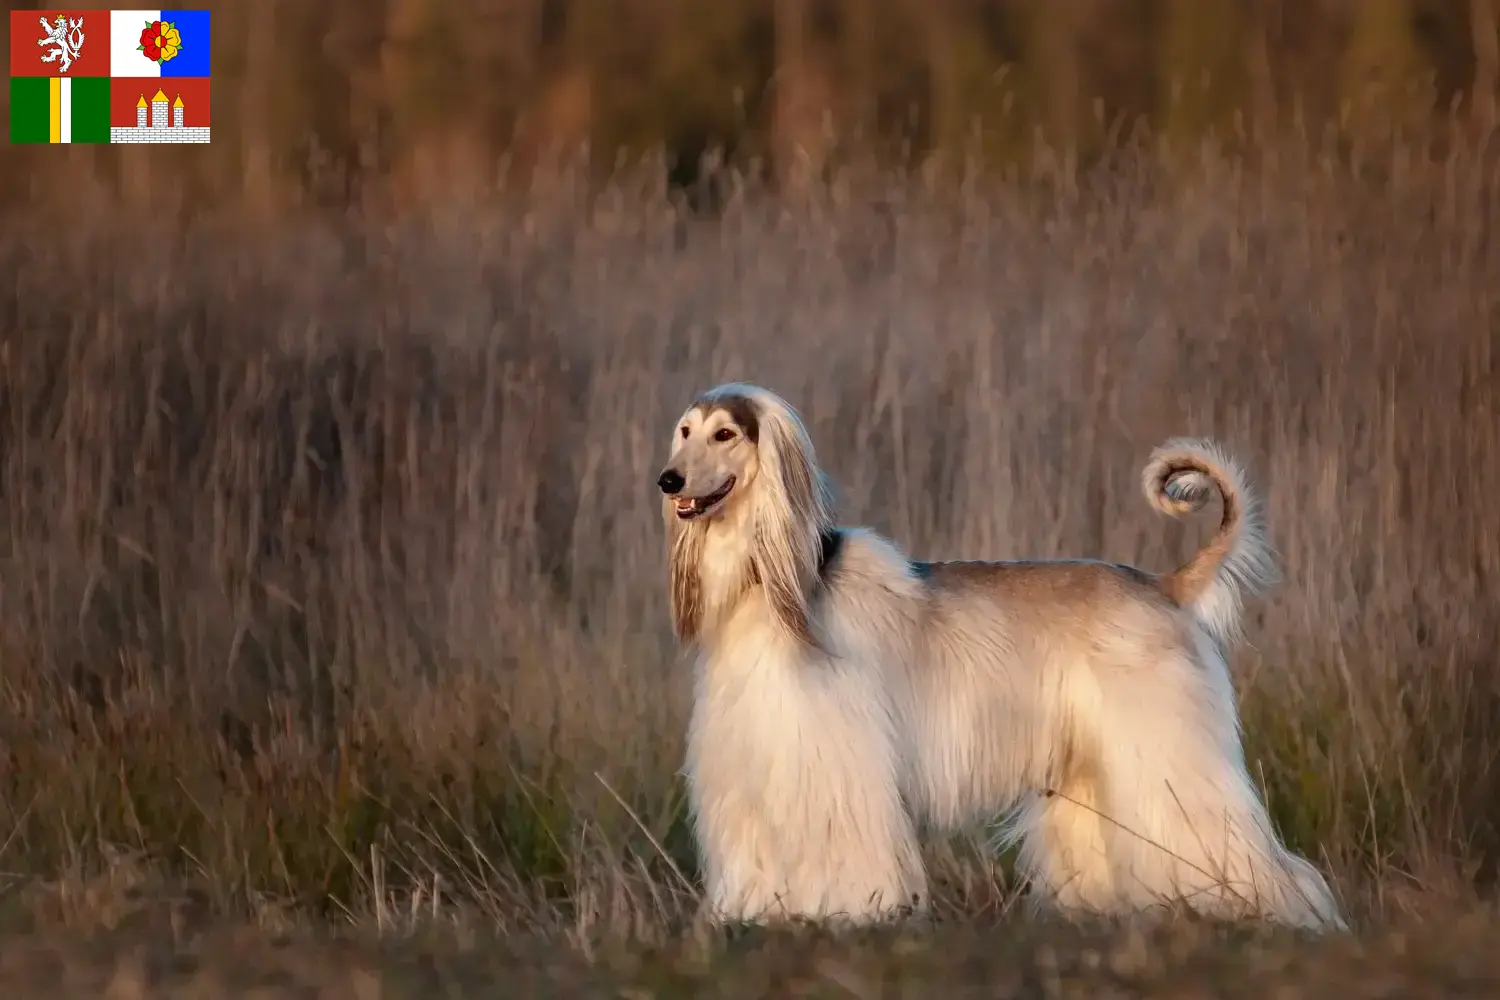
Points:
x=66, y=38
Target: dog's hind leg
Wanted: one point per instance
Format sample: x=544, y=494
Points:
x=1184, y=821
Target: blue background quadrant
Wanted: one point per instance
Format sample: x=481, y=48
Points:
x=193, y=60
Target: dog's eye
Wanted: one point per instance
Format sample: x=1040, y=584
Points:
x=684, y=431
x=723, y=434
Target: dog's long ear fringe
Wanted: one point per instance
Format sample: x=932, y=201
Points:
x=683, y=558
x=792, y=513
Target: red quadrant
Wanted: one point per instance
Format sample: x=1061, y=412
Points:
x=26, y=54
x=126, y=92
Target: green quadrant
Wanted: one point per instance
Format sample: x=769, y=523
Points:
x=91, y=109
x=30, y=118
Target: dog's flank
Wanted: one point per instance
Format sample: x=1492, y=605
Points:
x=844, y=693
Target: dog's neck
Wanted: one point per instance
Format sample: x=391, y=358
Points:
x=719, y=567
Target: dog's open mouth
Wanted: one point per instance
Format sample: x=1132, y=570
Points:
x=691, y=507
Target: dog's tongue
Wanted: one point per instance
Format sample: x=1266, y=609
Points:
x=685, y=503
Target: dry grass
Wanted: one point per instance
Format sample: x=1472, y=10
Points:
x=332, y=573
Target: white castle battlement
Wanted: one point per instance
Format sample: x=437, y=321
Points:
x=167, y=135
x=159, y=130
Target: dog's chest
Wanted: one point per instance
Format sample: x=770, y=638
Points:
x=754, y=698
x=765, y=713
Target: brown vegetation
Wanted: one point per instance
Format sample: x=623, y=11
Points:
x=332, y=570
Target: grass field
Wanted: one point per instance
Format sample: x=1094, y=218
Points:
x=331, y=570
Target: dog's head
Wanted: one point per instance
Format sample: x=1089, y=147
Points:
x=715, y=455
x=740, y=450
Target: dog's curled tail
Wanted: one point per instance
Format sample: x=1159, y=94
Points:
x=1238, y=561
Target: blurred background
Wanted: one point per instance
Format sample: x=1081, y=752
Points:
x=318, y=100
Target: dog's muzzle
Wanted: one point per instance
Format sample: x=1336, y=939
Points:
x=691, y=507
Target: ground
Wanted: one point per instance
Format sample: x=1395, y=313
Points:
x=1453, y=960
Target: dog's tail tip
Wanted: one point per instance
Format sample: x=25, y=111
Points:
x=1179, y=479
x=1183, y=474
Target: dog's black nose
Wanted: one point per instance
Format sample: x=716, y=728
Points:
x=671, y=482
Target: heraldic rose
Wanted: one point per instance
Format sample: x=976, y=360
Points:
x=160, y=41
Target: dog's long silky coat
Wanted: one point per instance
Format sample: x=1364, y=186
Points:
x=845, y=693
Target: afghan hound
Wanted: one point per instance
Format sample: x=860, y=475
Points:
x=846, y=695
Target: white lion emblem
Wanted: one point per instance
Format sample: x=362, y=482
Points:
x=66, y=35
